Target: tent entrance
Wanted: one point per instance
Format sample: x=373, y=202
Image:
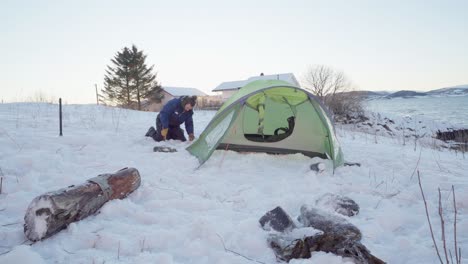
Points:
x=268, y=120
x=278, y=135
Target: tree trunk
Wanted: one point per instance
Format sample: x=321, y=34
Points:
x=129, y=103
x=138, y=95
x=51, y=212
x=128, y=90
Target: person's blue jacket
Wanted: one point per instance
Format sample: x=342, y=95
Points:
x=173, y=114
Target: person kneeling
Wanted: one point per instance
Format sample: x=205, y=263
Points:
x=173, y=114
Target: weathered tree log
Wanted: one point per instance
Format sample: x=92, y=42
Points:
x=287, y=249
x=336, y=236
x=51, y=212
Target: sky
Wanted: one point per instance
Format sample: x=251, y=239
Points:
x=61, y=48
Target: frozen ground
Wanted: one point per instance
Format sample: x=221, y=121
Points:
x=180, y=213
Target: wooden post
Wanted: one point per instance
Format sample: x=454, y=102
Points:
x=49, y=213
x=60, y=115
x=97, y=95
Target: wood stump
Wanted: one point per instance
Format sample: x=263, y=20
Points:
x=51, y=212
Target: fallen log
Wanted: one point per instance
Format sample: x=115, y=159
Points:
x=51, y=212
x=334, y=235
x=302, y=248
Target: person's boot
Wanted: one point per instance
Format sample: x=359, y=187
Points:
x=151, y=132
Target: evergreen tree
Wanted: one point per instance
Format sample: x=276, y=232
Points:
x=130, y=79
x=143, y=78
x=117, y=81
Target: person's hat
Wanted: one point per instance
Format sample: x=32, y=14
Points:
x=192, y=100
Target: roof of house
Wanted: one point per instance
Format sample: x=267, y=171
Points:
x=233, y=85
x=181, y=91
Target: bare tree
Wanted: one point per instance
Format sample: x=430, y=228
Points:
x=334, y=89
x=323, y=80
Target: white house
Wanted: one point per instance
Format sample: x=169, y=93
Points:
x=229, y=88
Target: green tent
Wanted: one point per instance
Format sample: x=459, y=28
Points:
x=270, y=116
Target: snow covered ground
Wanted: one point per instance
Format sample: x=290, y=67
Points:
x=181, y=213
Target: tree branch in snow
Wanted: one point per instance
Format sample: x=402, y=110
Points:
x=118, y=252
x=236, y=253
x=6, y=252
x=387, y=196
x=457, y=256
x=116, y=122
x=417, y=165
x=98, y=230
x=442, y=226
x=142, y=244
x=174, y=190
x=68, y=251
x=82, y=147
x=14, y=141
x=428, y=219
x=22, y=243
x=10, y=224
x=437, y=159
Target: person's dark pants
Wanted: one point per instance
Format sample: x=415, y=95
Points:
x=174, y=132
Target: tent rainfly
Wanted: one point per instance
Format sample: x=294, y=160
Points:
x=274, y=117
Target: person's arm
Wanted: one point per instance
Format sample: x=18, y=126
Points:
x=166, y=112
x=189, y=125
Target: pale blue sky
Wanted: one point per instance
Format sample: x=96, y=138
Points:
x=61, y=48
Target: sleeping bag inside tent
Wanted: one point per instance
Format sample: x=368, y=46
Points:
x=270, y=116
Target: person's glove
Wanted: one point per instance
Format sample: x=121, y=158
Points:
x=191, y=137
x=164, y=133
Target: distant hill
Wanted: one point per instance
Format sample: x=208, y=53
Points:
x=368, y=94
x=380, y=93
x=453, y=90
x=405, y=94
x=446, y=91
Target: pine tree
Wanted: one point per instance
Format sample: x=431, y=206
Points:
x=143, y=78
x=130, y=79
x=117, y=81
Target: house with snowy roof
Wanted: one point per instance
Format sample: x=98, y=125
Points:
x=173, y=92
x=229, y=88
x=170, y=93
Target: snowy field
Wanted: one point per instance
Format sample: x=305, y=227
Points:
x=181, y=212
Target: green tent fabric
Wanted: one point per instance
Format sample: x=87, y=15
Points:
x=270, y=116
